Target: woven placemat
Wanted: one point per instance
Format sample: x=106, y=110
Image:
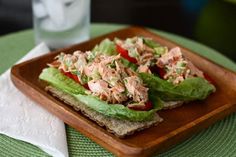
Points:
x=217, y=140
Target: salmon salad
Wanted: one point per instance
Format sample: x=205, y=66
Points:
x=151, y=57
x=105, y=77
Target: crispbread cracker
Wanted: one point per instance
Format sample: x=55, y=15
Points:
x=172, y=104
x=120, y=128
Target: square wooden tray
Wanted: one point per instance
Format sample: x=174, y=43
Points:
x=178, y=124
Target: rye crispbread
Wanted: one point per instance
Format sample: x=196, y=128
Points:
x=120, y=128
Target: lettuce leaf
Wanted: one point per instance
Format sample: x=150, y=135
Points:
x=157, y=103
x=195, y=88
x=150, y=43
x=129, y=64
x=55, y=78
x=106, y=47
x=115, y=110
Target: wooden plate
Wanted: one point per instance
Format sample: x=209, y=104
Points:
x=179, y=123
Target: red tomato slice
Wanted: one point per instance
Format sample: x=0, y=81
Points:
x=148, y=105
x=75, y=78
x=86, y=86
x=124, y=53
x=69, y=74
x=209, y=79
x=160, y=71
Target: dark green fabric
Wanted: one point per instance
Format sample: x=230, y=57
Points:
x=218, y=140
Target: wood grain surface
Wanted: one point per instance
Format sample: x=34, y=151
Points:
x=179, y=123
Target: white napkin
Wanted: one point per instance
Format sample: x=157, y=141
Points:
x=23, y=119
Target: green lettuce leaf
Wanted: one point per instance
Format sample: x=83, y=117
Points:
x=157, y=103
x=55, y=78
x=150, y=43
x=195, y=88
x=129, y=64
x=106, y=47
x=115, y=110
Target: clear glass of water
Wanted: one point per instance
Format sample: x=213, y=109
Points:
x=60, y=23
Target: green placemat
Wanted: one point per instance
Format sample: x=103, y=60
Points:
x=217, y=140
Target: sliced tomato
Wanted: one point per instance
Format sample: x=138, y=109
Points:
x=75, y=78
x=124, y=53
x=146, y=107
x=157, y=70
x=209, y=79
x=69, y=74
x=161, y=72
x=86, y=86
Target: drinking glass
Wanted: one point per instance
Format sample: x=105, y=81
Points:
x=60, y=23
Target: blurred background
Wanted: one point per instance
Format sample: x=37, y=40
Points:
x=211, y=22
